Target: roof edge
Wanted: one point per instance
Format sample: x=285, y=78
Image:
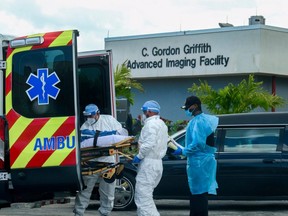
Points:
x=194, y=32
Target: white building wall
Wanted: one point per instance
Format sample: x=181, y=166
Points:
x=274, y=51
x=233, y=50
x=228, y=55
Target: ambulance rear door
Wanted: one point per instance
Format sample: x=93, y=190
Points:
x=96, y=81
x=42, y=112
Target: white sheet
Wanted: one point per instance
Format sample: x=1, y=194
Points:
x=103, y=141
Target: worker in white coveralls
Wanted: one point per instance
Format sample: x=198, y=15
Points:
x=152, y=148
x=98, y=122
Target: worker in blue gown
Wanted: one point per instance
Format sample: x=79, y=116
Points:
x=200, y=152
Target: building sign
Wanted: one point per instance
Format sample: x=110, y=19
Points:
x=172, y=57
x=225, y=51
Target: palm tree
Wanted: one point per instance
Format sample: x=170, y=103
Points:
x=124, y=83
x=244, y=97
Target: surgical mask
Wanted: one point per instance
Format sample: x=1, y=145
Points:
x=189, y=113
x=143, y=118
x=91, y=121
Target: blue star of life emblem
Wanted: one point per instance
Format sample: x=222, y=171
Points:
x=43, y=86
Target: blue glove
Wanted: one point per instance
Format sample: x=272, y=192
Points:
x=136, y=160
x=178, y=151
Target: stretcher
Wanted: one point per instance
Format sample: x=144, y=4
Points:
x=109, y=171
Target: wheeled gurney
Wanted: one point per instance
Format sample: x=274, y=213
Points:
x=109, y=171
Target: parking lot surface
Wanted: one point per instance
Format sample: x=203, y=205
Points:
x=165, y=207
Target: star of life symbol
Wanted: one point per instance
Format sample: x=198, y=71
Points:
x=43, y=86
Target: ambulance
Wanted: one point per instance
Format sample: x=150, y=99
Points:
x=44, y=86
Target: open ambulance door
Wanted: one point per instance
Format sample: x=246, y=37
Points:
x=96, y=81
x=42, y=111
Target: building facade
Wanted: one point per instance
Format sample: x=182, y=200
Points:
x=167, y=64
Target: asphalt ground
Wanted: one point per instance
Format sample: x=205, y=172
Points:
x=64, y=207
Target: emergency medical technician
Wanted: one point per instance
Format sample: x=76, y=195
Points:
x=152, y=148
x=94, y=122
x=200, y=150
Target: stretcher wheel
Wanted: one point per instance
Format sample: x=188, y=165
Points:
x=119, y=176
x=119, y=171
x=110, y=180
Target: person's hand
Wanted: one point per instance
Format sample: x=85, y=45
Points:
x=178, y=151
x=136, y=160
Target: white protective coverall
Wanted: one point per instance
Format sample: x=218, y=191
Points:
x=152, y=148
x=106, y=190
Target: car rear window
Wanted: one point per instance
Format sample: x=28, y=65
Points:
x=253, y=140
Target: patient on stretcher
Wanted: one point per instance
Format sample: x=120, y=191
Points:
x=104, y=138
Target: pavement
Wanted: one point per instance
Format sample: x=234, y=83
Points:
x=64, y=207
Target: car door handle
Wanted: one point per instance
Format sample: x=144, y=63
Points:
x=269, y=161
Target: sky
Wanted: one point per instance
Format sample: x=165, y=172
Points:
x=97, y=20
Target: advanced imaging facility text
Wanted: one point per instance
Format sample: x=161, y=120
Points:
x=174, y=57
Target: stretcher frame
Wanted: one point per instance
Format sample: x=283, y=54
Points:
x=109, y=171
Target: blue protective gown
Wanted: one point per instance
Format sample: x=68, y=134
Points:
x=201, y=163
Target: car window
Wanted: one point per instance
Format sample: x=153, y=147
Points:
x=180, y=139
x=251, y=140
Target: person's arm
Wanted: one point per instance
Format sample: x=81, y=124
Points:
x=147, y=139
x=117, y=126
x=195, y=139
x=123, y=132
x=86, y=131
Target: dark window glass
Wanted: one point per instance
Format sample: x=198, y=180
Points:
x=94, y=87
x=251, y=140
x=180, y=139
x=42, y=82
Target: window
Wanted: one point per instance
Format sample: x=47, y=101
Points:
x=180, y=139
x=251, y=140
x=42, y=82
x=94, y=83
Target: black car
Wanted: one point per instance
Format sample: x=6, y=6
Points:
x=252, y=162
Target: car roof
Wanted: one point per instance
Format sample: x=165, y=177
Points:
x=248, y=119
x=255, y=118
